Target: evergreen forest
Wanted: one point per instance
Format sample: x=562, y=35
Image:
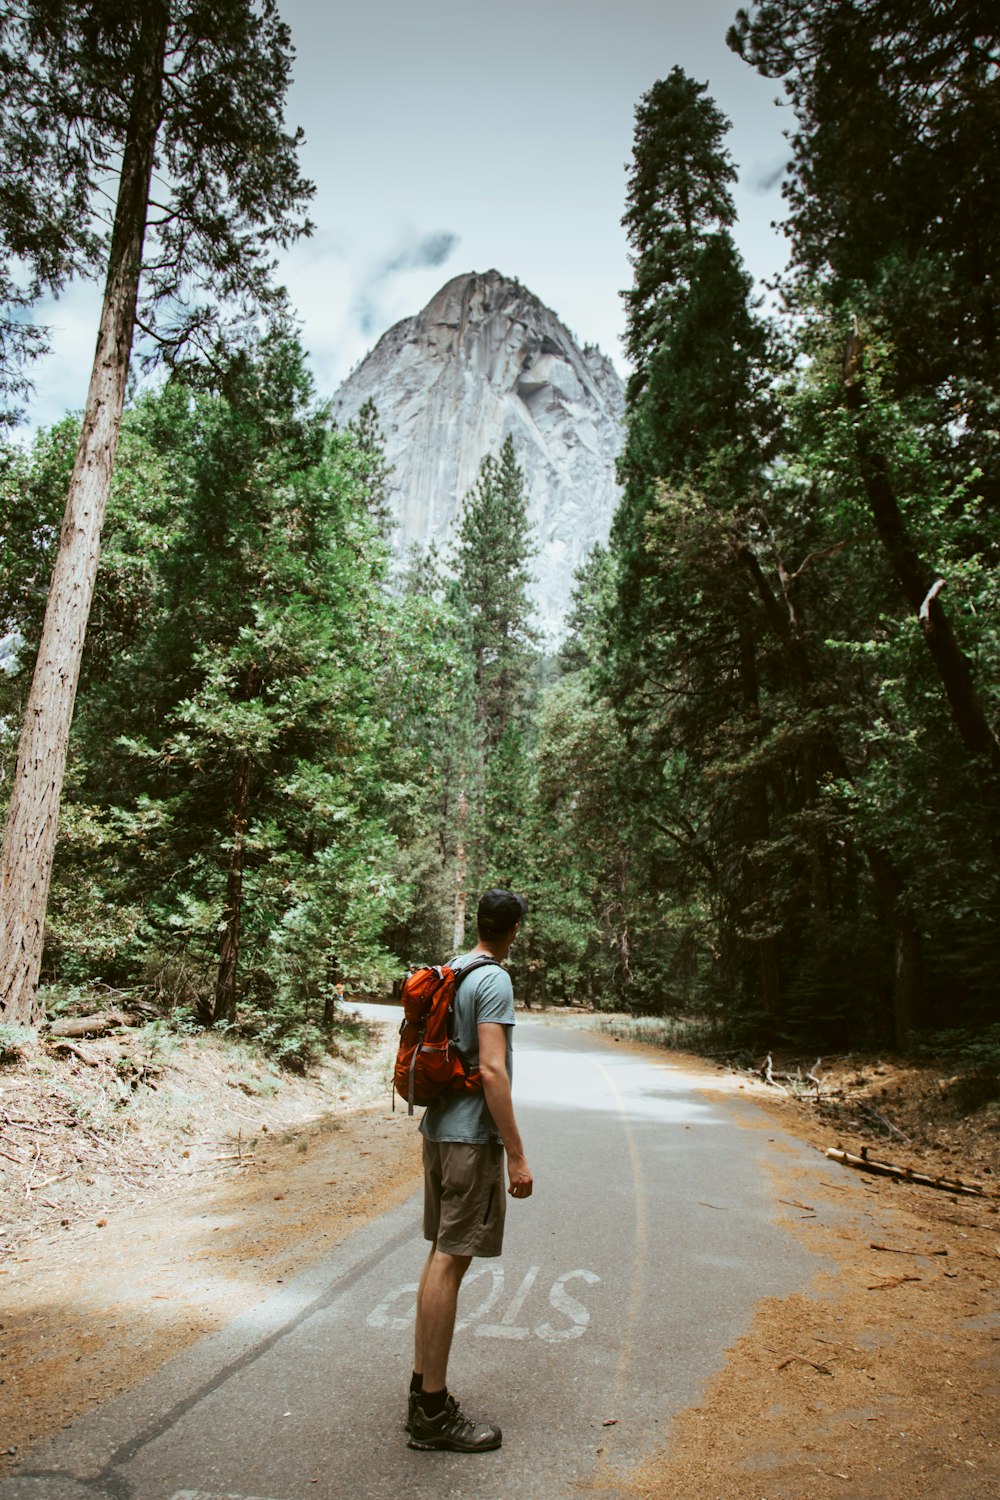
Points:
x=756, y=792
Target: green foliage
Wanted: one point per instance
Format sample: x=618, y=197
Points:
x=489, y=596
x=741, y=801
x=15, y=1044
x=678, y=193
x=374, y=473
x=978, y=1051
x=257, y=711
x=798, y=797
x=227, y=180
x=893, y=155
x=492, y=580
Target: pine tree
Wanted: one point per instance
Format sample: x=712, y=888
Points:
x=374, y=472
x=685, y=664
x=492, y=578
x=491, y=596
x=195, y=95
x=678, y=195
x=431, y=701
x=894, y=156
x=894, y=276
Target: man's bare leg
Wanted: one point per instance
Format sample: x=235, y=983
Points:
x=434, y=1422
x=437, y=1302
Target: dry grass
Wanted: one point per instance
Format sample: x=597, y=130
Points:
x=85, y=1129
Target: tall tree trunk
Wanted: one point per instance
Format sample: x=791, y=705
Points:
x=921, y=588
x=30, y=833
x=907, y=972
x=617, y=919
x=458, y=922
x=759, y=827
x=229, y=948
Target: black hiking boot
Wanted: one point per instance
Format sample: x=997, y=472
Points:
x=451, y=1429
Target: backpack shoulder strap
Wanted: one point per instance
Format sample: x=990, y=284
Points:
x=477, y=963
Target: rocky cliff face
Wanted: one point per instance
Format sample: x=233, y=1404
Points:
x=483, y=360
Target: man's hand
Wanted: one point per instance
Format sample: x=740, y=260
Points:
x=519, y=1174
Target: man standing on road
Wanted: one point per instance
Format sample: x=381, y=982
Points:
x=465, y=1138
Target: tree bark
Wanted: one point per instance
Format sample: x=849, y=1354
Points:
x=907, y=976
x=759, y=822
x=229, y=949
x=458, y=919
x=30, y=833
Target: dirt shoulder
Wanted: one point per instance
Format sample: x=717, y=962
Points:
x=155, y=1220
x=883, y=1379
x=227, y=1178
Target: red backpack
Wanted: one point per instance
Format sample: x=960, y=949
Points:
x=427, y=1062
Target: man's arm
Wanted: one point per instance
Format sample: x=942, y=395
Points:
x=496, y=1087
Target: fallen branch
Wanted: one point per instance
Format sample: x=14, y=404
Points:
x=796, y=1081
x=865, y=1163
x=63, y=1046
x=901, y=1250
x=90, y=1134
x=813, y=1076
x=885, y=1286
x=48, y=1182
x=800, y=1359
x=767, y=1073
x=870, y=1113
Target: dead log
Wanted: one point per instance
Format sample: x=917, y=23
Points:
x=87, y=1025
x=866, y=1163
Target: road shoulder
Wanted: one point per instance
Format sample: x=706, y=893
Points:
x=883, y=1378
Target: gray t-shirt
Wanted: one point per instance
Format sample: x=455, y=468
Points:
x=487, y=995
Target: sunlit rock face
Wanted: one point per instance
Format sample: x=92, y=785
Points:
x=483, y=360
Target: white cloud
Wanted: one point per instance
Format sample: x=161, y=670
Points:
x=347, y=293
x=60, y=377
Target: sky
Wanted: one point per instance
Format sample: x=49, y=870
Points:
x=457, y=136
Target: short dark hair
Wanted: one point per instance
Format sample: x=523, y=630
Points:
x=498, y=912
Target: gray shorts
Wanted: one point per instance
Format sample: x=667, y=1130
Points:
x=464, y=1198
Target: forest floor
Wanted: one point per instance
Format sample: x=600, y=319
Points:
x=152, y=1188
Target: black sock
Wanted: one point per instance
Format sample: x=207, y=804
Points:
x=433, y=1402
x=416, y=1383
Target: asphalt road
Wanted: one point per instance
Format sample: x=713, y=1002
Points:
x=638, y=1260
